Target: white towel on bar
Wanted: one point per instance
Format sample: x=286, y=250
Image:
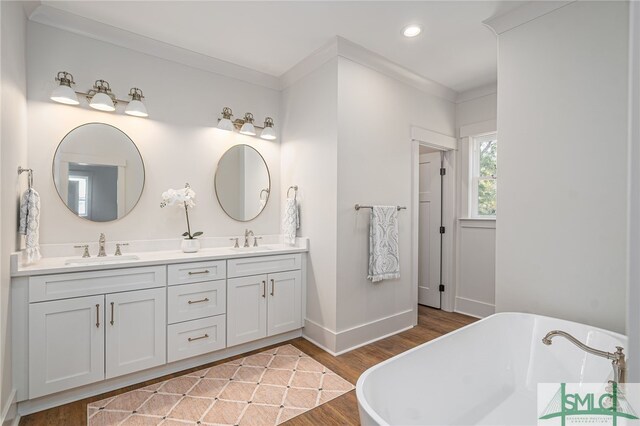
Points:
x=384, y=260
x=290, y=221
x=30, y=225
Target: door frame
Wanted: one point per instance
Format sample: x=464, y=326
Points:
x=447, y=144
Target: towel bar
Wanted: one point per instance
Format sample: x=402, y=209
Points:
x=358, y=207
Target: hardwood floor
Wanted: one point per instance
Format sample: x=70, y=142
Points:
x=343, y=410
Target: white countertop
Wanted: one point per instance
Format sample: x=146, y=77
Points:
x=57, y=265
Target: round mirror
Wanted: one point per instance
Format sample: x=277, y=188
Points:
x=98, y=172
x=242, y=183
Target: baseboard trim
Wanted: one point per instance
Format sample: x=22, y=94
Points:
x=71, y=395
x=320, y=345
x=10, y=411
x=320, y=336
x=338, y=343
x=474, y=308
x=355, y=337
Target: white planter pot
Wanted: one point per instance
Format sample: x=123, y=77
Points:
x=190, y=245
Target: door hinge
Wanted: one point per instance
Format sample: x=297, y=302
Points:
x=442, y=229
x=443, y=171
x=441, y=287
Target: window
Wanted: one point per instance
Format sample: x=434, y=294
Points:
x=484, y=167
x=79, y=194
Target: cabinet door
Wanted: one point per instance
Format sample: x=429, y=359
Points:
x=66, y=344
x=284, y=302
x=135, y=324
x=246, y=309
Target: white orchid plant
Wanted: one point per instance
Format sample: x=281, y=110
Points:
x=182, y=198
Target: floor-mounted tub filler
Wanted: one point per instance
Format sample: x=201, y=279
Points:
x=488, y=372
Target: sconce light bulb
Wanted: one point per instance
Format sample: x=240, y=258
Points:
x=102, y=102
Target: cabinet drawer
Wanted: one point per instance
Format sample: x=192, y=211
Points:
x=263, y=265
x=196, y=337
x=199, y=300
x=76, y=284
x=185, y=273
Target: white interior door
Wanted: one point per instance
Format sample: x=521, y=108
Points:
x=429, y=217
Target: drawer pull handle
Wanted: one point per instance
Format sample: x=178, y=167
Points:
x=264, y=289
x=206, y=299
x=111, y=313
x=191, y=339
x=98, y=315
x=206, y=271
x=273, y=287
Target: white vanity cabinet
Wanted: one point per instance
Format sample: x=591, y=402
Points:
x=67, y=341
x=266, y=304
x=80, y=340
x=80, y=332
x=197, y=306
x=135, y=326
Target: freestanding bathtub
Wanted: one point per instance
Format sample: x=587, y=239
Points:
x=483, y=374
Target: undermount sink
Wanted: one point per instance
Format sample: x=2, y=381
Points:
x=101, y=260
x=249, y=249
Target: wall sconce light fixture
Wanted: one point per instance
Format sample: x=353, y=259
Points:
x=64, y=93
x=245, y=125
x=100, y=96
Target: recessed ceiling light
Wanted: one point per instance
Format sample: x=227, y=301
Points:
x=411, y=30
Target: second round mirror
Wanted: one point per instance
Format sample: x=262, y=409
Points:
x=242, y=183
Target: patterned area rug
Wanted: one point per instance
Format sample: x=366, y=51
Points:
x=267, y=388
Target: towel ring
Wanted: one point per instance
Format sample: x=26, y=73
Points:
x=295, y=191
x=29, y=177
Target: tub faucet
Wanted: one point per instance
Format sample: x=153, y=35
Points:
x=247, y=233
x=101, y=241
x=617, y=358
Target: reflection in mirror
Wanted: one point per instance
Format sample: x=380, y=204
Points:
x=98, y=172
x=242, y=183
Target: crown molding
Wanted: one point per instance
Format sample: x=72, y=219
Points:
x=478, y=92
x=359, y=54
x=523, y=14
x=76, y=24
x=341, y=47
x=309, y=64
x=338, y=46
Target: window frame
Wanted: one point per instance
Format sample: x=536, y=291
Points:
x=87, y=199
x=474, y=175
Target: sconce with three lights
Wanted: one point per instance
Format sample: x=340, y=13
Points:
x=100, y=96
x=245, y=125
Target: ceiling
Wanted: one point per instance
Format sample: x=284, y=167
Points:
x=455, y=48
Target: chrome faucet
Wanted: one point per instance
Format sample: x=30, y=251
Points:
x=101, y=241
x=247, y=233
x=617, y=358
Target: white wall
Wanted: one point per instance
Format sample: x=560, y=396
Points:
x=178, y=142
x=13, y=153
x=309, y=160
x=633, y=307
x=476, y=239
x=562, y=103
x=375, y=114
